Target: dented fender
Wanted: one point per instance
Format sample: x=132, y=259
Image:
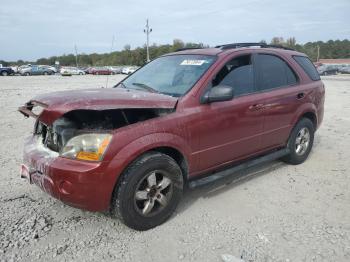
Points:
x=146, y=143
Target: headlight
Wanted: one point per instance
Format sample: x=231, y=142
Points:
x=87, y=147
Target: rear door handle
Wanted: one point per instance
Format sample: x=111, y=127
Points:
x=300, y=95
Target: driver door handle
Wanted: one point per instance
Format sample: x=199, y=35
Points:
x=300, y=95
x=256, y=107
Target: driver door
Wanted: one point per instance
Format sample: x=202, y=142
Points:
x=232, y=130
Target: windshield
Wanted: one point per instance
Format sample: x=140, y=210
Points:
x=173, y=75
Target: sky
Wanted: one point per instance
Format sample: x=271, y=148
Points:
x=42, y=28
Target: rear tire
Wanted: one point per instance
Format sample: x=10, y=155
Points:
x=4, y=73
x=148, y=192
x=300, y=142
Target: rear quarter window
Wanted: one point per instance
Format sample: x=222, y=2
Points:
x=307, y=66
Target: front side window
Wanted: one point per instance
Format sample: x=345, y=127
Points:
x=173, y=75
x=274, y=72
x=237, y=73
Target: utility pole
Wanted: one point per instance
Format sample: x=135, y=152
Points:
x=318, y=53
x=76, y=55
x=147, y=31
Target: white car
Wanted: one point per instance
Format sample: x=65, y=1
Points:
x=129, y=70
x=68, y=70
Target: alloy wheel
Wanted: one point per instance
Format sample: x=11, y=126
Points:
x=153, y=193
x=302, y=141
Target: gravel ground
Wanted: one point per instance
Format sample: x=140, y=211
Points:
x=275, y=212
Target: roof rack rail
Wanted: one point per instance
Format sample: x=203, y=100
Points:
x=261, y=45
x=187, y=48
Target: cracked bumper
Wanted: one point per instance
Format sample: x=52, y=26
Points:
x=76, y=183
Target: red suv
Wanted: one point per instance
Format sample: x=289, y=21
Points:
x=186, y=118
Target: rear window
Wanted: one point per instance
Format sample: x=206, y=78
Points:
x=308, y=67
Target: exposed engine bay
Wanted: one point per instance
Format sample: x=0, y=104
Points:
x=84, y=121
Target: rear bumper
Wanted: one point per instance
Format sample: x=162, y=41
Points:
x=76, y=183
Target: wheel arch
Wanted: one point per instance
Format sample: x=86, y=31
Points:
x=310, y=115
x=175, y=154
x=163, y=143
x=307, y=110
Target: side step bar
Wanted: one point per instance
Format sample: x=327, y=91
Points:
x=230, y=171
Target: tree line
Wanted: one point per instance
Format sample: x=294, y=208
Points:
x=137, y=56
x=331, y=49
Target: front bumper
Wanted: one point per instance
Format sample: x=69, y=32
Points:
x=76, y=183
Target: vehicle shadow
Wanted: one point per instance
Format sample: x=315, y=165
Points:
x=236, y=179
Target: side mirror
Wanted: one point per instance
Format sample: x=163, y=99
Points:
x=217, y=94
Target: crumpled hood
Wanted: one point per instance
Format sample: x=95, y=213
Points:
x=56, y=104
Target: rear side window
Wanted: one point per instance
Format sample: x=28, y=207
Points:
x=274, y=72
x=308, y=67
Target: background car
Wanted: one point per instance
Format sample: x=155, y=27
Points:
x=317, y=64
x=52, y=68
x=88, y=70
x=116, y=69
x=5, y=71
x=83, y=68
x=69, y=70
x=327, y=70
x=35, y=70
x=100, y=71
x=15, y=69
x=345, y=70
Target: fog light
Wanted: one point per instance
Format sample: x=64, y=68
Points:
x=66, y=187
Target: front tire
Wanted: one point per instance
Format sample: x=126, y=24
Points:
x=4, y=73
x=300, y=142
x=148, y=191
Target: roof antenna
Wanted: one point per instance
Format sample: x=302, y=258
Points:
x=110, y=52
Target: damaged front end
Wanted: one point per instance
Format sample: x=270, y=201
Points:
x=79, y=122
x=79, y=125
x=56, y=127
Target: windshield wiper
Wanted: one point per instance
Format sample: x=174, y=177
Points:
x=148, y=88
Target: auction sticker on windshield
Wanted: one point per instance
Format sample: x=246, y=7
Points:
x=193, y=62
